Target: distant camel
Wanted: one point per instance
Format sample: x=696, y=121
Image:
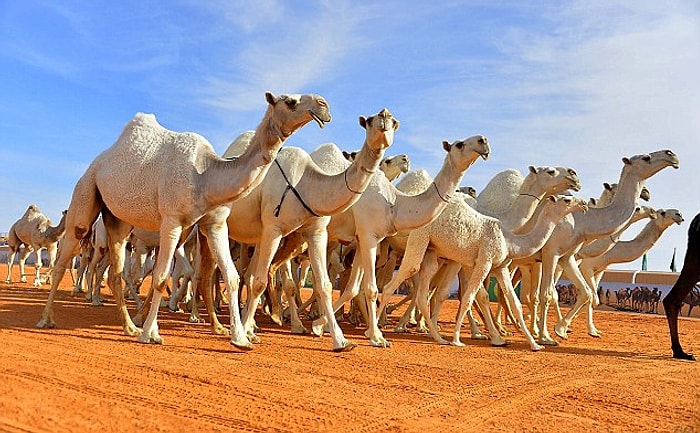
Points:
x=693, y=299
x=689, y=277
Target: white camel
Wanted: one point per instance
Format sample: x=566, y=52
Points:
x=593, y=268
x=513, y=198
x=300, y=195
x=481, y=245
x=383, y=210
x=577, y=229
x=35, y=232
x=162, y=180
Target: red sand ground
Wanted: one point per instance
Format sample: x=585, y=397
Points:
x=87, y=376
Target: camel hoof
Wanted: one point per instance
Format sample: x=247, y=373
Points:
x=346, y=347
x=317, y=330
x=150, y=339
x=46, y=324
x=536, y=348
x=479, y=337
x=561, y=332
x=299, y=330
x=401, y=329
x=500, y=344
x=132, y=331
x=684, y=356
x=245, y=346
x=595, y=334
x=381, y=343
x=441, y=341
x=175, y=310
x=220, y=330
x=547, y=342
x=457, y=343
x=276, y=318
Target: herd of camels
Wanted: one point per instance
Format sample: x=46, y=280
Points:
x=171, y=191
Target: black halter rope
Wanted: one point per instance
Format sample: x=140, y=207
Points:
x=296, y=193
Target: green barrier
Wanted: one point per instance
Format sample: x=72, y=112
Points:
x=492, y=289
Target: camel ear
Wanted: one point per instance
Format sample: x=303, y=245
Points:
x=446, y=145
x=396, y=124
x=626, y=160
x=663, y=212
x=592, y=201
x=363, y=122
x=346, y=155
x=552, y=199
x=607, y=186
x=270, y=98
x=532, y=169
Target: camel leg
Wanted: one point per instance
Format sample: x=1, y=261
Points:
x=290, y=289
x=82, y=213
x=96, y=282
x=170, y=232
x=205, y=270
x=37, y=266
x=428, y=269
x=511, y=298
x=22, y=260
x=482, y=301
x=179, y=287
x=368, y=258
x=352, y=289
x=546, y=295
x=689, y=276
x=318, y=241
x=10, y=264
x=117, y=235
x=469, y=290
x=262, y=258
x=584, y=298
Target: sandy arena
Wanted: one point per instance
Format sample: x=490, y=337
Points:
x=86, y=376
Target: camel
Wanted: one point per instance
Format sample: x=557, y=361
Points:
x=513, y=199
x=480, y=244
x=693, y=299
x=301, y=195
x=383, y=210
x=35, y=232
x=577, y=229
x=688, y=278
x=167, y=181
x=592, y=268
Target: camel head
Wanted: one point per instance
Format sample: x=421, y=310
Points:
x=350, y=156
x=288, y=113
x=553, y=180
x=468, y=190
x=380, y=129
x=463, y=153
x=393, y=166
x=648, y=164
x=645, y=194
x=641, y=212
x=566, y=204
x=668, y=217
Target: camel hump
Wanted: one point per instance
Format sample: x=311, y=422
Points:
x=500, y=191
x=414, y=182
x=329, y=158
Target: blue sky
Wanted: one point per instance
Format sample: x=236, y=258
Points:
x=573, y=83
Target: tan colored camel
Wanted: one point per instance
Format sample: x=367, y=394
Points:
x=592, y=268
x=482, y=246
x=577, y=229
x=300, y=195
x=383, y=210
x=35, y=232
x=162, y=180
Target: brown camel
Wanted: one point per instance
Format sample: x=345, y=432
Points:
x=689, y=277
